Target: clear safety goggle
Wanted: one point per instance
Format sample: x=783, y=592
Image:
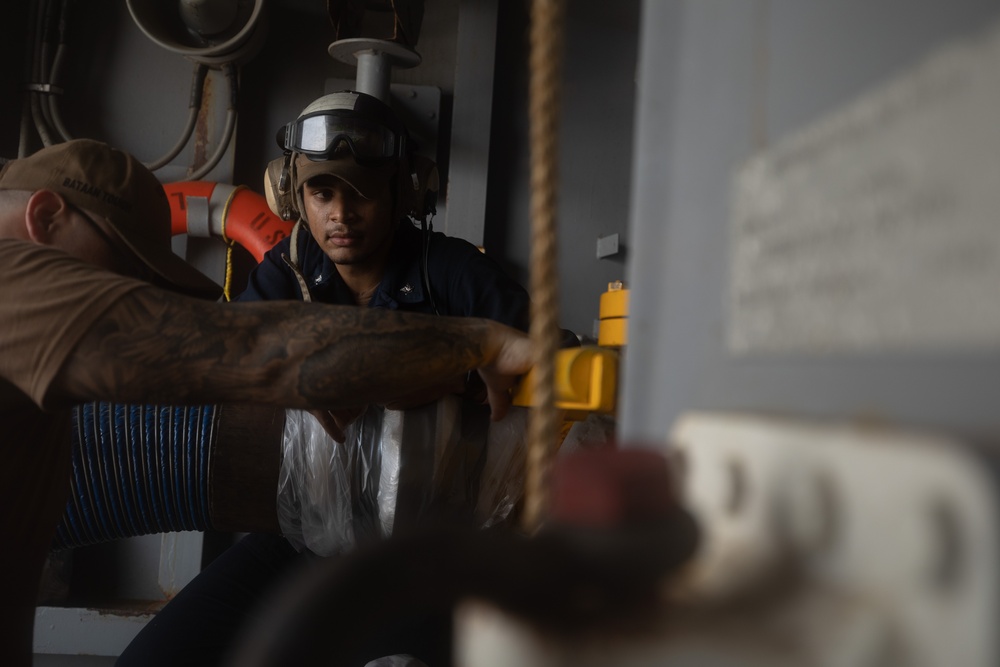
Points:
x=326, y=135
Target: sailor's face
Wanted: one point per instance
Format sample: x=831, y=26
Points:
x=350, y=229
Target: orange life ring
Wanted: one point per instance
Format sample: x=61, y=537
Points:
x=232, y=213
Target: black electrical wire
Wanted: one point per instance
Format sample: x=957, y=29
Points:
x=426, y=228
x=46, y=47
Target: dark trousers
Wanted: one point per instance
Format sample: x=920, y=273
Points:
x=200, y=626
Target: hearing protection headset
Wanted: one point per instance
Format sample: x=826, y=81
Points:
x=362, y=126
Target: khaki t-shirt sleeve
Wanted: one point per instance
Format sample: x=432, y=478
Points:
x=48, y=301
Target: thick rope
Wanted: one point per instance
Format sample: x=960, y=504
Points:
x=544, y=95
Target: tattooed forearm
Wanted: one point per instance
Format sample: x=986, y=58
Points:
x=154, y=346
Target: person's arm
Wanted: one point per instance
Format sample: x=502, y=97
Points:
x=155, y=346
x=468, y=283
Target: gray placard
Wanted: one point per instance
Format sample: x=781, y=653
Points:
x=878, y=227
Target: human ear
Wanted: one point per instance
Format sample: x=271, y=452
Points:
x=44, y=210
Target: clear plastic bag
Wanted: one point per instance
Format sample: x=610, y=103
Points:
x=395, y=468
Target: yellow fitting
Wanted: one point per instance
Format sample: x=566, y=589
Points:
x=613, y=325
x=586, y=380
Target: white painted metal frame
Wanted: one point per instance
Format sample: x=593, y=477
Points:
x=107, y=631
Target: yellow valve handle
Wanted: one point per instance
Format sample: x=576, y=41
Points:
x=586, y=380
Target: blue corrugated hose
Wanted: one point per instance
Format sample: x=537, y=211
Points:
x=137, y=469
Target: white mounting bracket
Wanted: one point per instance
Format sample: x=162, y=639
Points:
x=822, y=544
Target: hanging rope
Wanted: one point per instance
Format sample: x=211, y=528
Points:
x=227, y=286
x=544, y=104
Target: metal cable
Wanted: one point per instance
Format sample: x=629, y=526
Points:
x=27, y=120
x=55, y=72
x=37, y=57
x=194, y=107
x=229, y=129
x=52, y=100
x=544, y=104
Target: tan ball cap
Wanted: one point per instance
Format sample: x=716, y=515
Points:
x=121, y=195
